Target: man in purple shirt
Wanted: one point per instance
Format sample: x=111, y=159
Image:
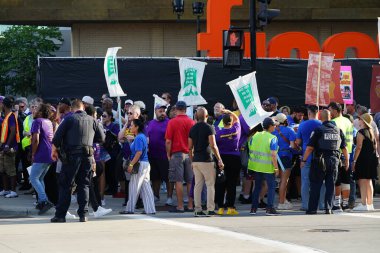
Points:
x=158, y=160
x=64, y=108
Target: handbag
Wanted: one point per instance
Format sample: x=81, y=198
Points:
x=135, y=168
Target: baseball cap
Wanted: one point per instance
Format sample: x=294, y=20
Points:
x=128, y=101
x=140, y=104
x=65, y=101
x=159, y=106
x=281, y=118
x=181, y=105
x=88, y=100
x=268, y=122
x=272, y=101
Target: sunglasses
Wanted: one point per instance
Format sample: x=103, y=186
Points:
x=165, y=98
x=130, y=113
x=104, y=116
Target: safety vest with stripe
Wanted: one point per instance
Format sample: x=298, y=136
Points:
x=260, y=157
x=27, y=140
x=348, y=130
x=5, y=130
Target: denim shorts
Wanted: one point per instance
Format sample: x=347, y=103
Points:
x=287, y=162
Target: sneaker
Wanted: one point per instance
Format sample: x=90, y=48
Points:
x=290, y=205
x=262, y=205
x=70, y=216
x=103, y=202
x=361, y=207
x=245, y=201
x=232, y=211
x=211, y=213
x=4, y=193
x=11, y=194
x=337, y=209
x=345, y=207
x=169, y=202
x=351, y=204
x=101, y=212
x=45, y=206
x=220, y=211
x=253, y=211
x=57, y=220
x=285, y=206
x=272, y=212
x=185, y=200
x=200, y=214
x=371, y=207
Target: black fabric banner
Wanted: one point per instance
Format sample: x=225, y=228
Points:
x=140, y=78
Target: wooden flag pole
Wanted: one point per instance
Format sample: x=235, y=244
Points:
x=319, y=77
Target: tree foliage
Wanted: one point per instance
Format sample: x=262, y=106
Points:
x=20, y=47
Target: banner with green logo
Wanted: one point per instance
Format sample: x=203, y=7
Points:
x=247, y=98
x=191, y=73
x=111, y=74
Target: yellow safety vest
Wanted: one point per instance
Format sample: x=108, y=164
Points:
x=4, y=129
x=348, y=130
x=260, y=157
x=27, y=140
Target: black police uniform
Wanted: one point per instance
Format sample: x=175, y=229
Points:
x=75, y=136
x=327, y=141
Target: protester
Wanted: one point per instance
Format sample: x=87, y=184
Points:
x=201, y=146
x=177, y=151
x=303, y=136
x=158, y=159
x=365, y=162
x=74, y=138
x=64, y=108
x=270, y=105
x=9, y=139
x=218, y=115
x=87, y=101
x=107, y=105
x=227, y=140
x=342, y=189
x=286, y=138
x=42, y=134
x=127, y=104
x=140, y=182
x=263, y=148
x=326, y=142
x=285, y=110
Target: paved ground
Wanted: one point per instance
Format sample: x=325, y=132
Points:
x=166, y=232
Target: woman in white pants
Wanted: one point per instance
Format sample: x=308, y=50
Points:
x=140, y=182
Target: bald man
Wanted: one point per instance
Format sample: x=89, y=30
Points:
x=202, y=145
x=325, y=143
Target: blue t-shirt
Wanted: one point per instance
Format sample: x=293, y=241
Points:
x=304, y=131
x=273, y=144
x=140, y=144
x=284, y=147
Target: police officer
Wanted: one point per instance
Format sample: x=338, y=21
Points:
x=325, y=141
x=74, y=139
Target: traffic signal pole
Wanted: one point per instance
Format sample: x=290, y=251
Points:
x=252, y=29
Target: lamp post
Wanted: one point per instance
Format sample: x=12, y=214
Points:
x=198, y=11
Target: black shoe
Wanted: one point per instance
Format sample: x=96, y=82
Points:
x=245, y=201
x=337, y=209
x=308, y=212
x=262, y=205
x=272, y=212
x=45, y=206
x=253, y=211
x=241, y=197
x=211, y=213
x=83, y=219
x=328, y=211
x=200, y=214
x=345, y=207
x=175, y=210
x=39, y=206
x=125, y=212
x=57, y=220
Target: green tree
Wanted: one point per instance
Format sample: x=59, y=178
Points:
x=20, y=47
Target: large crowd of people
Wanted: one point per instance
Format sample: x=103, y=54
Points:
x=75, y=151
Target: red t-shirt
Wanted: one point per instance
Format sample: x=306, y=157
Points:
x=178, y=132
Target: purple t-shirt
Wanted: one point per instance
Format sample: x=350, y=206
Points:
x=227, y=139
x=156, y=133
x=44, y=128
x=244, y=131
x=113, y=127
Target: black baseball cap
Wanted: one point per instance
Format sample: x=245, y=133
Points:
x=65, y=101
x=268, y=122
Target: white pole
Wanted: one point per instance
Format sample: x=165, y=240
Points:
x=119, y=111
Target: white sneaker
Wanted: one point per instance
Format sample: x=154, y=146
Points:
x=290, y=205
x=73, y=199
x=70, y=216
x=186, y=200
x=285, y=206
x=101, y=212
x=169, y=202
x=11, y=194
x=361, y=207
x=103, y=202
x=371, y=208
x=4, y=192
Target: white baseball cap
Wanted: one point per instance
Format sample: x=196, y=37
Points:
x=128, y=101
x=88, y=100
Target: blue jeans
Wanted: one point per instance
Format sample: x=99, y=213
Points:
x=271, y=181
x=352, y=197
x=305, y=188
x=36, y=177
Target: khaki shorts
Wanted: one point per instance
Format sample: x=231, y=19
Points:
x=7, y=163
